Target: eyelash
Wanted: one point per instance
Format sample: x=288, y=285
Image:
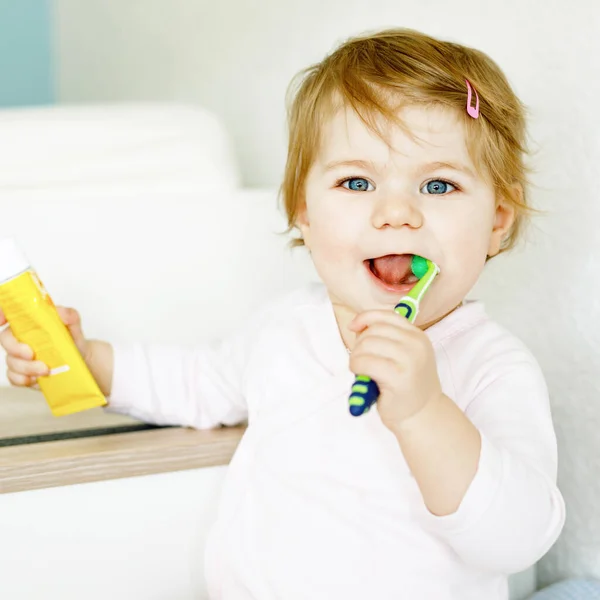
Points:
x=448, y=181
x=340, y=182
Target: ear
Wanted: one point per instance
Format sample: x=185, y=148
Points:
x=503, y=222
x=302, y=223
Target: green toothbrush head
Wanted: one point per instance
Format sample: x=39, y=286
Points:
x=426, y=271
x=419, y=266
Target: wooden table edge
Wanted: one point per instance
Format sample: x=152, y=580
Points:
x=114, y=456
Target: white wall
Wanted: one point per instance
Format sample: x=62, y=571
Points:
x=236, y=58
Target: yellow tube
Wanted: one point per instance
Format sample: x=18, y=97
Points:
x=33, y=318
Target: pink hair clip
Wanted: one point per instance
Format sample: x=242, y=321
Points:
x=473, y=111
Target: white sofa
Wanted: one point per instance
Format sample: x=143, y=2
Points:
x=134, y=215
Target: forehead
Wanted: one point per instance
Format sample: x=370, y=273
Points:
x=432, y=134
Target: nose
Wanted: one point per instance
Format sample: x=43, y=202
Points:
x=396, y=210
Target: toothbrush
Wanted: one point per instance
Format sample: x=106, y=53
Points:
x=365, y=391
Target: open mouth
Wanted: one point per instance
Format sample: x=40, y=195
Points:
x=393, y=272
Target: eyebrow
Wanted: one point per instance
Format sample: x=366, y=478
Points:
x=434, y=166
x=361, y=164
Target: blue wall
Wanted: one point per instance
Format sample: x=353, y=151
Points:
x=26, y=76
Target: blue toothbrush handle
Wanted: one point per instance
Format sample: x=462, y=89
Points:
x=365, y=392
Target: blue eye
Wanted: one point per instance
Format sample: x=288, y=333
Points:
x=358, y=184
x=438, y=186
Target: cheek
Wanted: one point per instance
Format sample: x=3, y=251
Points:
x=334, y=230
x=464, y=236
x=465, y=229
x=329, y=243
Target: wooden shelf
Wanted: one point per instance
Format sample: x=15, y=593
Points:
x=112, y=456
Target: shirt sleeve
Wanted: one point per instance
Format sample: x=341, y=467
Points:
x=513, y=511
x=200, y=387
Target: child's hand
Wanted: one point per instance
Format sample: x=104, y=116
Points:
x=400, y=358
x=23, y=370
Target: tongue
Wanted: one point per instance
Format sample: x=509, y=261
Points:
x=392, y=269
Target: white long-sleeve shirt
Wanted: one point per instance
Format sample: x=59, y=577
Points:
x=321, y=505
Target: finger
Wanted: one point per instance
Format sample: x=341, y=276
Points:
x=368, y=318
x=31, y=368
x=70, y=317
x=376, y=367
x=385, y=330
x=13, y=346
x=3, y=320
x=382, y=347
x=19, y=380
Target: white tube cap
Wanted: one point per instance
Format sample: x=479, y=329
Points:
x=12, y=260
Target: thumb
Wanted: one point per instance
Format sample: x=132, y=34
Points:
x=70, y=317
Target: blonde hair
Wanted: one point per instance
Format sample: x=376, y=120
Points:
x=372, y=74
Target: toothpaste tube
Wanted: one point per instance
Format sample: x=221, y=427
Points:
x=32, y=316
